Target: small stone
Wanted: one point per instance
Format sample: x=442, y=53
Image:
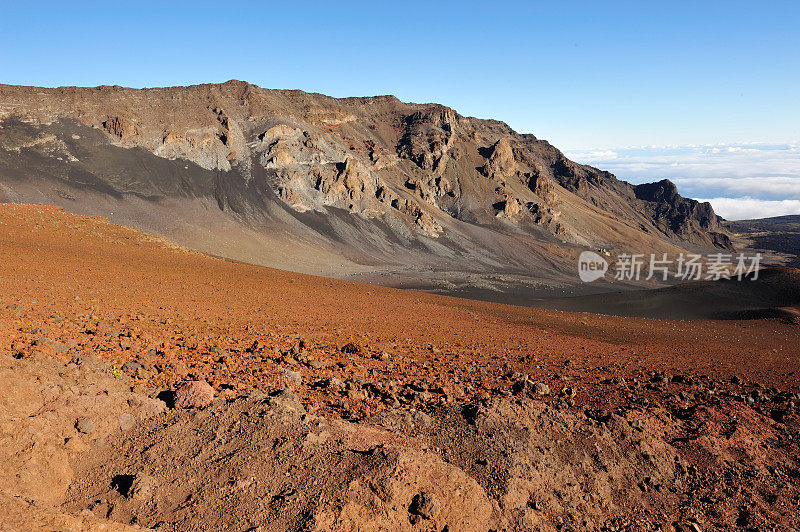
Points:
x=425, y=505
x=132, y=366
x=286, y=399
x=141, y=488
x=568, y=392
x=85, y=425
x=335, y=383
x=357, y=394
x=126, y=421
x=638, y=424
x=298, y=347
x=294, y=377
x=351, y=349
x=541, y=389
x=194, y=394
x=316, y=364
x=530, y=388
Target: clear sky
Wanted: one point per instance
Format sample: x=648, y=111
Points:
x=583, y=75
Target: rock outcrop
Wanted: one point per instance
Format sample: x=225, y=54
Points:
x=501, y=164
x=684, y=217
x=420, y=170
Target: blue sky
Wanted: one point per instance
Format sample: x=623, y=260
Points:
x=584, y=75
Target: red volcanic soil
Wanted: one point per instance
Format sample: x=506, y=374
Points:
x=123, y=295
x=386, y=408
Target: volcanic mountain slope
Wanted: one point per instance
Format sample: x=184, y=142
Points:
x=334, y=186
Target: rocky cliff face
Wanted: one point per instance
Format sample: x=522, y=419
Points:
x=421, y=169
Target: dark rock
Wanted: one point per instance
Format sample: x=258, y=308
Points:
x=599, y=415
x=351, y=349
x=425, y=505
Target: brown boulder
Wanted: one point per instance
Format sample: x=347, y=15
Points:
x=194, y=394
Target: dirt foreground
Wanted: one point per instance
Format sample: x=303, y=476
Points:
x=342, y=406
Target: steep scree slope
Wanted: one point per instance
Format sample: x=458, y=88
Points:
x=333, y=186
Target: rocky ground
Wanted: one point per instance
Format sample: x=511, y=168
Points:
x=332, y=405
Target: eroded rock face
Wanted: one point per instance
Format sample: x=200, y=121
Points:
x=122, y=128
x=500, y=165
x=416, y=166
x=353, y=182
x=428, y=137
x=217, y=146
x=676, y=214
x=509, y=208
x=543, y=187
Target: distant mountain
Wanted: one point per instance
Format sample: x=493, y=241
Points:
x=368, y=187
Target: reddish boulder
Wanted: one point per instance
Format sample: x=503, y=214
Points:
x=194, y=394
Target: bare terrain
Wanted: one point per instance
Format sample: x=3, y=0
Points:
x=202, y=326
x=337, y=405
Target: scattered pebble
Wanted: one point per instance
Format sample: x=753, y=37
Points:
x=85, y=425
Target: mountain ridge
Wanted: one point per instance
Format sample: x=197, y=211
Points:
x=430, y=188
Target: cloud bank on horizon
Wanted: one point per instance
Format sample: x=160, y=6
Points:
x=741, y=181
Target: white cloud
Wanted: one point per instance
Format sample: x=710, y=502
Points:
x=755, y=170
x=586, y=157
x=746, y=208
x=776, y=186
